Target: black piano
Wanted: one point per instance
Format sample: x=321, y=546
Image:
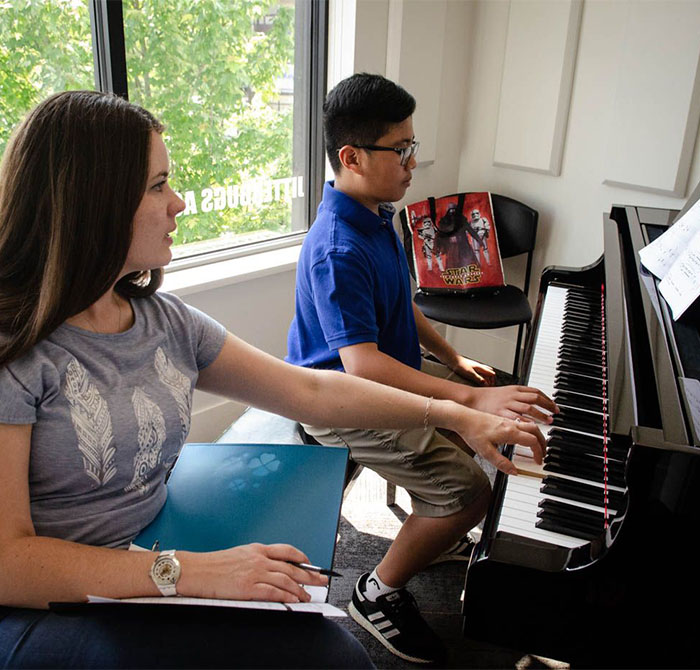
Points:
x=594, y=558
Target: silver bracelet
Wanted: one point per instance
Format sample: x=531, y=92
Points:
x=427, y=413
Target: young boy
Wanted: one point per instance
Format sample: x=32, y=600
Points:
x=354, y=312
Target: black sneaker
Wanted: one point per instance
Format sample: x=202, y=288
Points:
x=461, y=551
x=395, y=621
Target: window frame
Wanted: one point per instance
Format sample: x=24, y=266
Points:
x=311, y=48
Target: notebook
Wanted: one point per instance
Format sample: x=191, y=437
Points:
x=223, y=495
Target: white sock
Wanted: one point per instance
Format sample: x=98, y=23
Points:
x=375, y=587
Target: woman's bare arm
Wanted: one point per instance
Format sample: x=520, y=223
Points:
x=328, y=398
x=37, y=570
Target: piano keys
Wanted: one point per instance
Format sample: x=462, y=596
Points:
x=565, y=501
x=590, y=558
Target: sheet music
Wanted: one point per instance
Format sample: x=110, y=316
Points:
x=319, y=607
x=674, y=257
x=681, y=285
x=692, y=397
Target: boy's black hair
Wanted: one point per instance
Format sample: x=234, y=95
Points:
x=360, y=109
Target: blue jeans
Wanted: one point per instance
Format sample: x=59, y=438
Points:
x=172, y=637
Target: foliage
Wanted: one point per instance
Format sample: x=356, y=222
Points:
x=34, y=61
x=209, y=69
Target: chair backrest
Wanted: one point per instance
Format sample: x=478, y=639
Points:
x=516, y=224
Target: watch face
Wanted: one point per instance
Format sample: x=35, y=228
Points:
x=164, y=570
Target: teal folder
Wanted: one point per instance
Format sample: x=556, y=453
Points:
x=224, y=495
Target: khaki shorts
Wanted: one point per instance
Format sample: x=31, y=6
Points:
x=439, y=476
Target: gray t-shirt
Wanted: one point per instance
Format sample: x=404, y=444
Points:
x=110, y=413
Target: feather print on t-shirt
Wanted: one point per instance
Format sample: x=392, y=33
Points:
x=150, y=439
x=92, y=423
x=179, y=386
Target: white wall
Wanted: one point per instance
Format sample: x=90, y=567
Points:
x=258, y=311
x=458, y=93
x=571, y=205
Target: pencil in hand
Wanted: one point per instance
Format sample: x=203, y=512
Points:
x=315, y=568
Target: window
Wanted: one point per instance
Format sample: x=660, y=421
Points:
x=238, y=85
x=33, y=62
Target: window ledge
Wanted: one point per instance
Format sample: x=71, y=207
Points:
x=232, y=271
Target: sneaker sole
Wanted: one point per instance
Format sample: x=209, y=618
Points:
x=362, y=621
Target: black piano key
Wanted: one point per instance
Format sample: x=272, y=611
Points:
x=572, y=382
x=573, y=399
x=575, y=340
x=593, y=473
x=580, y=321
x=579, y=367
x=581, y=326
x=584, y=348
x=593, y=423
x=586, y=459
x=574, y=301
x=569, y=353
x=569, y=350
x=583, y=462
x=585, y=293
x=561, y=438
x=585, y=440
x=566, y=529
x=556, y=466
x=572, y=525
x=595, y=447
x=585, y=301
x=583, y=317
x=573, y=416
x=592, y=310
x=582, y=313
x=580, y=492
x=577, y=413
x=568, y=513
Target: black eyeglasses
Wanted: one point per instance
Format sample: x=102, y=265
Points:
x=404, y=153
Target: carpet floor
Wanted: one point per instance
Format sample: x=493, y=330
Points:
x=367, y=528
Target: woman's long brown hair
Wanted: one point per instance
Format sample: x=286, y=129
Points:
x=71, y=179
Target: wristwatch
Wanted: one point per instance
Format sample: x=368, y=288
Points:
x=165, y=572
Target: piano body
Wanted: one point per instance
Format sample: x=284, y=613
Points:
x=595, y=560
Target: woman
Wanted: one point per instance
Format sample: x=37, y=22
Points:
x=97, y=372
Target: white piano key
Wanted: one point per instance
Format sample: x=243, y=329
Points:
x=519, y=514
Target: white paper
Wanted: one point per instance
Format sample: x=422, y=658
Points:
x=674, y=257
x=320, y=607
x=659, y=256
x=681, y=284
x=692, y=395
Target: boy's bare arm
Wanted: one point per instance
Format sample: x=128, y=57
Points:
x=437, y=345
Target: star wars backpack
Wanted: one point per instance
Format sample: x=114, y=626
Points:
x=452, y=243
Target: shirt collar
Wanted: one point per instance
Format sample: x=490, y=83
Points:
x=353, y=212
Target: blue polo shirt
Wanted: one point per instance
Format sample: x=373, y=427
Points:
x=352, y=286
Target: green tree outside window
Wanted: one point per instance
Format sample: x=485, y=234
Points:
x=218, y=73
